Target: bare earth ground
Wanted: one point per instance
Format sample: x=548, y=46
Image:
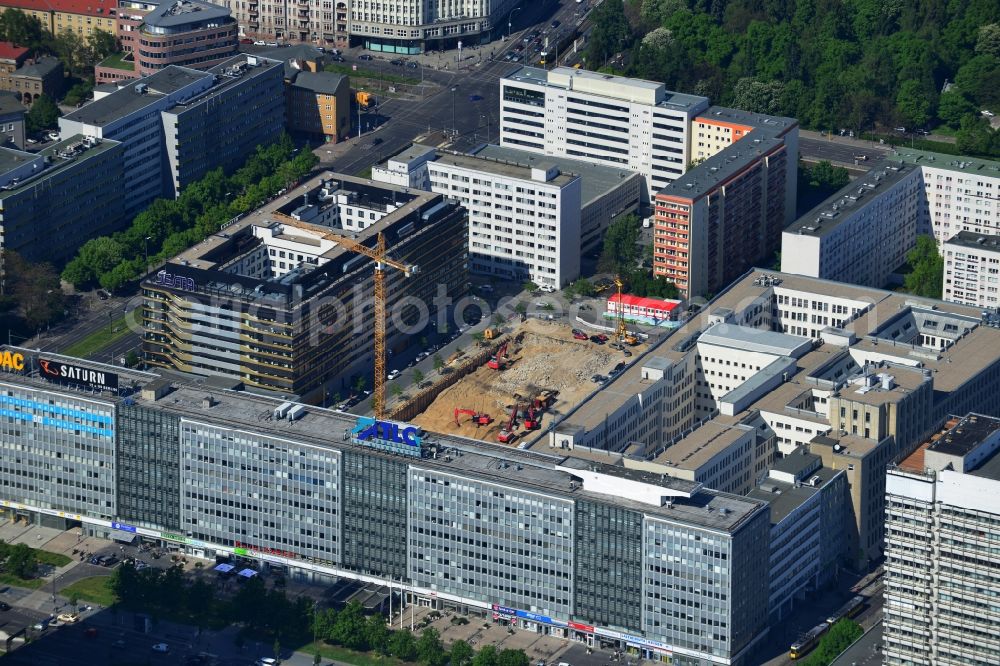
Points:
x=547, y=358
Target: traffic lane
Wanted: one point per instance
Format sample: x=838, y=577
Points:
x=836, y=152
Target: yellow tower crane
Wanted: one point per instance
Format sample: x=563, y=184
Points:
x=622, y=330
x=379, y=255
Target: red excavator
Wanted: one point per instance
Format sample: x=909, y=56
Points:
x=532, y=419
x=496, y=361
x=479, y=418
x=507, y=433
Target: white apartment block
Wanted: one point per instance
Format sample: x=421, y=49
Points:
x=972, y=269
x=398, y=27
x=863, y=233
x=610, y=120
x=530, y=217
x=942, y=567
x=807, y=527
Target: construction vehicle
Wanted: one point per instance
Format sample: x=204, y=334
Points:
x=507, y=433
x=479, y=418
x=532, y=419
x=622, y=330
x=381, y=258
x=491, y=333
x=544, y=399
x=496, y=361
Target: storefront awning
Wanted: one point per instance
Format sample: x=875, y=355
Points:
x=247, y=573
x=121, y=536
x=224, y=568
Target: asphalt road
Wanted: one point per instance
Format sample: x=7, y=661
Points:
x=840, y=151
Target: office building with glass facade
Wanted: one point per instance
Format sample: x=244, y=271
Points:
x=552, y=544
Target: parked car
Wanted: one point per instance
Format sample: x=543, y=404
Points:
x=396, y=63
x=393, y=374
x=4, y=606
x=596, y=339
x=411, y=64
x=579, y=335
x=69, y=618
x=554, y=25
x=162, y=648
x=365, y=56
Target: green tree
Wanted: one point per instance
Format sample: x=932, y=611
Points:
x=953, y=106
x=828, y=177
x=20, y=28
x=520, y=308
x=377, y=634
x=21, y=561
x=487, y=656
x=323, y=622
x=461, y=653
x=979, y=78
x=429, y=648
x=619, y=252
x=834, y=642
x=438, y=362
x=402, y=646
x=349, y=628
x=609, y=32
x=927, y=268
x=418, y=377
x=43, y=114
x=757, y=96
x=395, y=390
x=71, y=48
x=360, y=383
x=34, y=289
x=974, y=136
x=509, y=657
x=101, y=44
x=583, y=287
x=914, y=103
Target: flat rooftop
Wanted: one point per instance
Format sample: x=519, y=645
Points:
x=329, y=429
x=746, y=338
x=560, y=77
x=504, y=168
x=783, y=497
x=11, y=158
x=968, y=165
x=179, y=13
x=56, y=158
x=965, y=435
x=766, y=124
x=701, y=446
x=721, y=167
x=595, y=180
x=831, y=213
x=126, y=100
x=969, y=239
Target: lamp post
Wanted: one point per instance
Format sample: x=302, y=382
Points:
x=145, y=249
x=510, y=21
x=454, y=127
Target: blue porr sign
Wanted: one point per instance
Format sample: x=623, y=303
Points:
x=387, y=433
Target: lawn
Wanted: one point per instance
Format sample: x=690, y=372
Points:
x=117, y=61
x=344, y=656
x=55, y=559
x=95, y=589
x=99, y=339
x=30, y=583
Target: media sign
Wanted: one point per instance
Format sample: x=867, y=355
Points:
x=123, y=527
x=166, y=279
x=390, y=432
x=11, y=361
x=77, y=375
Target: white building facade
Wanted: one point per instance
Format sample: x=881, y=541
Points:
x=942, y=569
x=610, y=120
x=972, y=269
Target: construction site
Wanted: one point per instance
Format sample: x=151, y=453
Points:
x=537, y=370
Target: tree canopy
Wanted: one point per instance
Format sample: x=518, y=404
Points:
x=852, y=64
x=926, y=269
x=172, y=225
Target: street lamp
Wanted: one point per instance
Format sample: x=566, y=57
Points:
x=510, y=21
x=145, y=249
x=454, y=127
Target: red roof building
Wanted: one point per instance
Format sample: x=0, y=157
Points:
x=79, y=16
x=639, y=306
x=12, y=53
